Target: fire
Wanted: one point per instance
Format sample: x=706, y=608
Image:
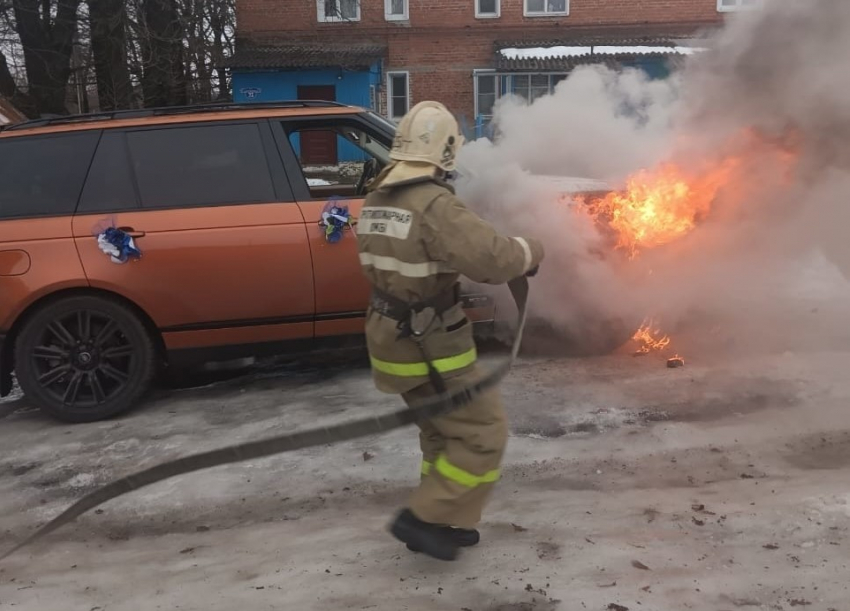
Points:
x=664, y=204
x=660, y=206
x=656, y=208
x=650, y=338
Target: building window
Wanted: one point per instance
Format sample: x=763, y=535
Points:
x=726, y=6
x=490, y=86
x=486, y=94
x=531, y=86
x=398, y=94
x=542, y=8
x=396, y=10
x=487, y=9
x=338, y=10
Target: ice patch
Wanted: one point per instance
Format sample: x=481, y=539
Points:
x=82, y=480
x=831, y=504
x=125, y=445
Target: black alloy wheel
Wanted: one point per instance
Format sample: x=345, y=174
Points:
x=83, y=359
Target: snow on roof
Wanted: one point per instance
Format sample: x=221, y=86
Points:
x=543, y=52
x=642, y=50
x=560, y=51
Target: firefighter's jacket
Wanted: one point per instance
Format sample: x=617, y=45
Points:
x=415, y=240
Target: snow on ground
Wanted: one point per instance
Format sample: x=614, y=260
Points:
x=718, y=486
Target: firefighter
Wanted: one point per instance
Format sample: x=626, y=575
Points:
x=415, y=240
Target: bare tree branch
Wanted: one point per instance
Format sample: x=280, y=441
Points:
x=46, y=33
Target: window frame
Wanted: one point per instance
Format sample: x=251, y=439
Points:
x=496, y=15
x=281, y=187
x=739, y=6
x=286, y=152
x=476, y=74
x=391, y=91
x=547, y=13
x=405, y=16
x=505, y=84
x=321, y=17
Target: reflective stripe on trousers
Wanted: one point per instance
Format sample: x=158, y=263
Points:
x=456, y=474
x=413, y=370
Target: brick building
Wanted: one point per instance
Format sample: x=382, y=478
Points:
x=389, y=54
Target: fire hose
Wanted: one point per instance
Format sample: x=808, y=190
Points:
x=436, y=405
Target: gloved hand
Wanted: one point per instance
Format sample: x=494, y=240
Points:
x=532, y=272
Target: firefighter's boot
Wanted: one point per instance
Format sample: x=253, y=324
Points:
x=463, y=537
x=430, y=539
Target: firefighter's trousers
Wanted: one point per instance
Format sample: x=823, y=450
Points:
x=461, y=455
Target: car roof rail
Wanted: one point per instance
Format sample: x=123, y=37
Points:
x=172, y=110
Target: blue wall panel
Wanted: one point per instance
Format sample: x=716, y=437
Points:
x=276, y=86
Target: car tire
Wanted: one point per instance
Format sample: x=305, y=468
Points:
x=85, y=358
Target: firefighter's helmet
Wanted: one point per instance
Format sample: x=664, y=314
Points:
x=430, y=134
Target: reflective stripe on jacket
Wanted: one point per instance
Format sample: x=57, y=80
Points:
x=415, y=239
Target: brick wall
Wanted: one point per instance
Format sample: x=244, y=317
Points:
x=276, y=17
x=443, y=42
x=441, y=67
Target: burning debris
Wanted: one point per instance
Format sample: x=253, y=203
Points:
x=650, y=338
x=676, y=361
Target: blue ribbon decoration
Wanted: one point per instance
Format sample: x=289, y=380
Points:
x=118, y=245
x=335, y=219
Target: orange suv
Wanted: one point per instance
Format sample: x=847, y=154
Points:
x=224, y=203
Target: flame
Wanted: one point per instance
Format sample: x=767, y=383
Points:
x=664, y=204
x=658, y=207
x=661, y=205
x=650, y=338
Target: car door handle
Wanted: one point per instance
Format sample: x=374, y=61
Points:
x=131, y=232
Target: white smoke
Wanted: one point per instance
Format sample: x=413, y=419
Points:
x=773, y=81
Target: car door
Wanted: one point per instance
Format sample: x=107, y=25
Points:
x=225, y=256
x=342, y=291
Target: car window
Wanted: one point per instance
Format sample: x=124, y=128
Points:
x=204, y=165
x=109, y=186
x=332, y=154
x=43, y=176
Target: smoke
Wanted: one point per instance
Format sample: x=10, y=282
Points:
x=770, y=93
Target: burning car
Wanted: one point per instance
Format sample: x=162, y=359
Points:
x=648, y=211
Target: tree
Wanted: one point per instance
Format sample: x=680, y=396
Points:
x=222, y=15
x=46, y=30
x=163, y=69
x=108, y=23
x=133, y=52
